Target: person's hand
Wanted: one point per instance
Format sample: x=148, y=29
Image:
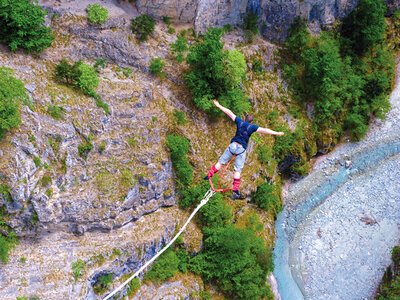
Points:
x=216, y=102
x=280, y=133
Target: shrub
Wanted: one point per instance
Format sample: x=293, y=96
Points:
x=46, y=180
x=363, y=28
x=21, y=23
x=156, y=66
x=103, y=283
x=133, y=286
x=167, y=20
x=215, y=213
x=143, y=26
x=180, y=117
x=6, y=244
x=88, y=79
x=179, y=147
x=236, y=261
x=208, y=78
x=84, y=148
x=267, y=197
x=127, y=72
x=97, y=13
x=100, y=62
x=164, y=267
x=77, y=268
x=171, y=30
x=193, y=194
x=37, y=162
x=49, y=193
x=11, y=92
x=179, y=47
x=250, y=25
x=55, y=111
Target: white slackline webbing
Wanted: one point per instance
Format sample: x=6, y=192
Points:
x=207, y=197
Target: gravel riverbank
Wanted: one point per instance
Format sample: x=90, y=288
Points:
x=340, y=222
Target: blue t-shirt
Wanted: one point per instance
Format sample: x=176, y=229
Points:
x=243, y=132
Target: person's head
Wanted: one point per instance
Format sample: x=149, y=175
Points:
x=249, y=118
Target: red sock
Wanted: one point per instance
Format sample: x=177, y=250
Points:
x=212, y=171
x=236, y=184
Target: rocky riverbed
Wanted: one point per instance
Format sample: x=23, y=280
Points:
x=340, y=222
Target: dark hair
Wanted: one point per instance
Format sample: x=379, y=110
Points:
x=249, y=118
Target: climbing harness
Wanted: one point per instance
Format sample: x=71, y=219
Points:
x=219, y=181
x=203, y=202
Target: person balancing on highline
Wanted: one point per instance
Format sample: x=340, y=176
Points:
x=238, y=145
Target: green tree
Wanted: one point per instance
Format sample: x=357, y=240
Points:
x=164, y=267
x=88, y=79
x=363, y=28
x=208, y=78
x=97, y=13
x=12, y=91
x=179, y=147
x=143, y=26
x=267, y=197
x=156, y=66
x=236, y=260
x=21, y=23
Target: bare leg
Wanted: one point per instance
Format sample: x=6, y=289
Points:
x=218, y=165
x=236, y=175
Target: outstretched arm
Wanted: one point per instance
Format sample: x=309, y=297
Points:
x=225, y=110
x=269, y=131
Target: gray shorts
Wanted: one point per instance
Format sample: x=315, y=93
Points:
x=234, y=149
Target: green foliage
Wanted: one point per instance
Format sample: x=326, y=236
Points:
x=389, y=288
x=179, y=47
x=85, y=147
x=347, y=78
x=97, y=13
x=21, y=23
x=267, y=197
x=7, y=242
x=236, y=261
x=46, y=180
x=264, y=154
x=36, y=160
x=102, y=146
x=103, y=283
x=133, y=286
x=127, y=72
x=363, y=28
x=22, y=298
x=102, y=105
x=142, y=27
x=171, y=30
x=167, y=20
x=88, y=79
x=227, y=28
x=11, y=92
x=250, y=25
x=193, y=194
x=55, y=111
x=215, y=213
x=49, y=193
x=79, y=74
x=100, y=62
x=164, y=267
x=210, y=76
x=156, y=66
x=5, y=192
x=180, y=117
x=257, y=66
x=179, y=147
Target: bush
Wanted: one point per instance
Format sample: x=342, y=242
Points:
x=11, y=92
x=55, y=111
x=180, y=45
x=103, y=283
x=171, y=30
x=97, y=13
x=193, y=194
x=84, y=148
x=46, y=180
x=6, y=244
x=37, y=162
x=167, y=20
x=77, y=268
x=164, y=267
x=21, y=23
x=180, y=117
x=208, y=78
x=143, y=26
x=133, y=286
x=267, y=197
x=100, y=62
x=364, y=27
x=156, y=66
x=127, y=72
x=179, y=147
x=236, y=261
x=215, y=213
x=88, y=79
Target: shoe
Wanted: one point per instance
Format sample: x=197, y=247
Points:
x=206, y=178
x=236, y=195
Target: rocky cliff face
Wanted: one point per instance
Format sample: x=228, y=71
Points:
x=275, y=16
